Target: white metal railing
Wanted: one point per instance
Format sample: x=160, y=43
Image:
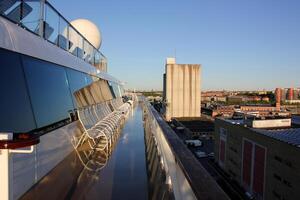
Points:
x=184, y=173
x=175, y=176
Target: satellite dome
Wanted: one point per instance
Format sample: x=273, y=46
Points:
x=89, y=30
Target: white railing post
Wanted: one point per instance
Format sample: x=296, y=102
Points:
x=5, y=176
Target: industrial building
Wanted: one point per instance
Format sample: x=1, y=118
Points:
x=182, y=93
x=261, y=155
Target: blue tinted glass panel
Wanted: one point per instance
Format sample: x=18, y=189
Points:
x=16, y=114
x=12, y=10
x=63, y=41
x=77, y=80
x=117, y=90
x=31, y=15
x=112, y=89
x=49, y=91
x=51, y=25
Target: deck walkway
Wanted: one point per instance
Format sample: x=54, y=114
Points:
x=122, y=176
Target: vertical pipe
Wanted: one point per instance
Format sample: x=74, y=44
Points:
x=42, y=13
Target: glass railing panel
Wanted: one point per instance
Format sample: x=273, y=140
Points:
x=92, y=60
x=11, y=10
x=88, y=52
x=97, y=58
x=31, y=15
x=51, y=26
x=63, y=41
x=73, y=41
x=80, y=51
x=7, y=5
x=76, y=43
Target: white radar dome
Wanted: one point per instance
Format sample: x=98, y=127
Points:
x=89, y=30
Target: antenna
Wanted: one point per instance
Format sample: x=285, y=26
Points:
x=175, y=53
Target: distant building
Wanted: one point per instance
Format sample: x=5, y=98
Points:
x=236, y=99
x=262, y=155
x=182, y=90
x=263, y=110
x=266, y=99
x=226, y=111
x=278, y=97
x=287, y=94
x=290, y=94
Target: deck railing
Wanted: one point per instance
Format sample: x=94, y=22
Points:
x=41, y=18
x=182, y=172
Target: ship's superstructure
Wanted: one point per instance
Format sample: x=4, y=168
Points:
x=56, y=93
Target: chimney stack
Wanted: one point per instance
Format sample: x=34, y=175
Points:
x=278, y=98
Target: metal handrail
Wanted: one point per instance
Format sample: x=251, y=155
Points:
x=180, y=164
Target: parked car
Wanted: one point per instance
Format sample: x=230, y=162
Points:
x=211, y=154
x=201, y=154
x=193, y=143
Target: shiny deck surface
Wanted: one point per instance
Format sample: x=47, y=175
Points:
x=122, y=176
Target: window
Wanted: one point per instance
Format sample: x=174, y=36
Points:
x=233, y=162
x=277, y=177
x=278, y=158
x=288, y=163
x=49, y=91
x=115, y=89
x=287, y=183
x=232, y=173
x=16, y=113
x=278, y=196
x=77, y=81
x=233, y=149
x=112, y=90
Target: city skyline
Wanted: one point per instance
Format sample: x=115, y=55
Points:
x=241, y=45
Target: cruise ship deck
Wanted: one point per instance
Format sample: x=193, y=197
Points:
x=68, y=128
x=122, y=174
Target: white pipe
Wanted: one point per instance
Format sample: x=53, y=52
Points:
x=24, y=151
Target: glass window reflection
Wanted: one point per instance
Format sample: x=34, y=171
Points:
x=77, y=81
x=49, y=91
x=16, y=113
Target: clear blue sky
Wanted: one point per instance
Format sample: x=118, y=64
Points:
x=241, y=44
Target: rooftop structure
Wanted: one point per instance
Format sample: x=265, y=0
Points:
x=182, y=90
x=261, y=160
